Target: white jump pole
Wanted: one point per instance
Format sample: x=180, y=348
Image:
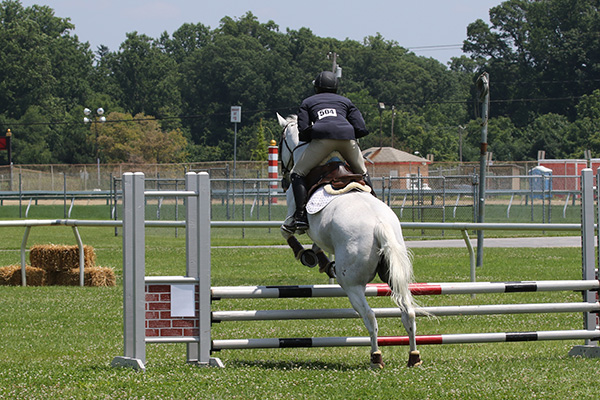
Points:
x=304, y=291
x=455, y=338
x=395, y=312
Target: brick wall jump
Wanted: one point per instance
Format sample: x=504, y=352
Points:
x=159, y=322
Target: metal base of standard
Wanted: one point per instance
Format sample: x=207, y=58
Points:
x=212, y=362
x=585, y=351
x=129, y=362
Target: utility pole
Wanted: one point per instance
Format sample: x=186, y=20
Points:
x=393, y=118
x=381, y=107
x=461, y=130
x=483, y=86
x=333, y=56
x=335, y=68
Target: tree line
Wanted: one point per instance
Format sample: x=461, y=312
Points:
x=168, y=99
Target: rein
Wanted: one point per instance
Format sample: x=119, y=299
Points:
x=286, y=168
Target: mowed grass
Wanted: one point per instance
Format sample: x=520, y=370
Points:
x=58, y=342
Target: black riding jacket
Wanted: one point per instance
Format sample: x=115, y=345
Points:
x=330, y=116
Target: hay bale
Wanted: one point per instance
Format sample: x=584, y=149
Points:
x=53, y=257
x=11, y=276
x=93, y=276
x=52, y=277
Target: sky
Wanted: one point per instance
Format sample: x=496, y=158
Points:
x=430, y=28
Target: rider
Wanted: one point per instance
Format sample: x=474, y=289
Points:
x=330, y=122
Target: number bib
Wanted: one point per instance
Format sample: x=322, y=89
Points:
x=326, y=112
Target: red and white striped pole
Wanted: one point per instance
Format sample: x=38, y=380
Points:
x=273, y=173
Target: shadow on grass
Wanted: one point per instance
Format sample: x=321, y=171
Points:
x=299, y=365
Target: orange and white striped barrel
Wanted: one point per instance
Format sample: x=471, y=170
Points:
x=272, y=170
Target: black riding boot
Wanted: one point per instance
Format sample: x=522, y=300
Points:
x=300, y=197
x=367, y=180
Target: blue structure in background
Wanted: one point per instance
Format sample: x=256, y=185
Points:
x=541, y=182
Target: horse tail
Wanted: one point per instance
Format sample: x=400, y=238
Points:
x=399, y=261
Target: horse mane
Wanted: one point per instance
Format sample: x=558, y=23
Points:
x=291, y=118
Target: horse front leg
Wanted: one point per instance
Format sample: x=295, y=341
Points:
x=357, y=298
x=409, y=322
x=307, y=257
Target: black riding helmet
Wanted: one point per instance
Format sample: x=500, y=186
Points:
x=326, y=81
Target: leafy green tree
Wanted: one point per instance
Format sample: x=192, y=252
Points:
x=505, y=141
x=69, y=140
x=259, y=147
x=41, y=63
x=146, y=77
x=30, y=144
x=139, y=139
x=545, y=51
x=240, y=66
x=587, y=126
x=552, y=133
x=44, y=74
x=189, y=80
x=186, y=40
x=589, y=106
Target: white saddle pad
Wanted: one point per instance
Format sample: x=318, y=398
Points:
x=318, y=200
x=323, y=195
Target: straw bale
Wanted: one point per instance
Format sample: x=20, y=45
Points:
x=93, y=276
x=52, y=277
x=11, y=276
x=53, y=257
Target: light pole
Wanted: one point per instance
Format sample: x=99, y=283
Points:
x=95, y=118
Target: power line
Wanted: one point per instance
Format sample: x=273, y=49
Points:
x=257, y=111
x=436, y=47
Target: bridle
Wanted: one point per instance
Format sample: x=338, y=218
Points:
x=286, y=168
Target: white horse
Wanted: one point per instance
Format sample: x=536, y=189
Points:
x=365, y=236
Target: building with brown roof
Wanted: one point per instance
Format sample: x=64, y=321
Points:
x=387, y=161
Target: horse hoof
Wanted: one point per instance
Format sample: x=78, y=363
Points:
x=308, y=258
x=414, y=359
x=377, y=360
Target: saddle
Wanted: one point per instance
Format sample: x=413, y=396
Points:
x=336, y=173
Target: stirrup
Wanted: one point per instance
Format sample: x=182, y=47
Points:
x=291, y=229
x=301, y=227
x=295, y=227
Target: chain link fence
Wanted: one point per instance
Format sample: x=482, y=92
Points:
x=449, y=193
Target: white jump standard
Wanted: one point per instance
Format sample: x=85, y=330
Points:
x=197, y=268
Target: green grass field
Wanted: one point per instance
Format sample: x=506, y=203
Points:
x=58, y=342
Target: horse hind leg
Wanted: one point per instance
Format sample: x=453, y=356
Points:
x=409, y=322
x=357, y=298
x=325, y=264
x=408, y=318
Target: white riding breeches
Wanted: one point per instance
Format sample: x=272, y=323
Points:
x=318, y=149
